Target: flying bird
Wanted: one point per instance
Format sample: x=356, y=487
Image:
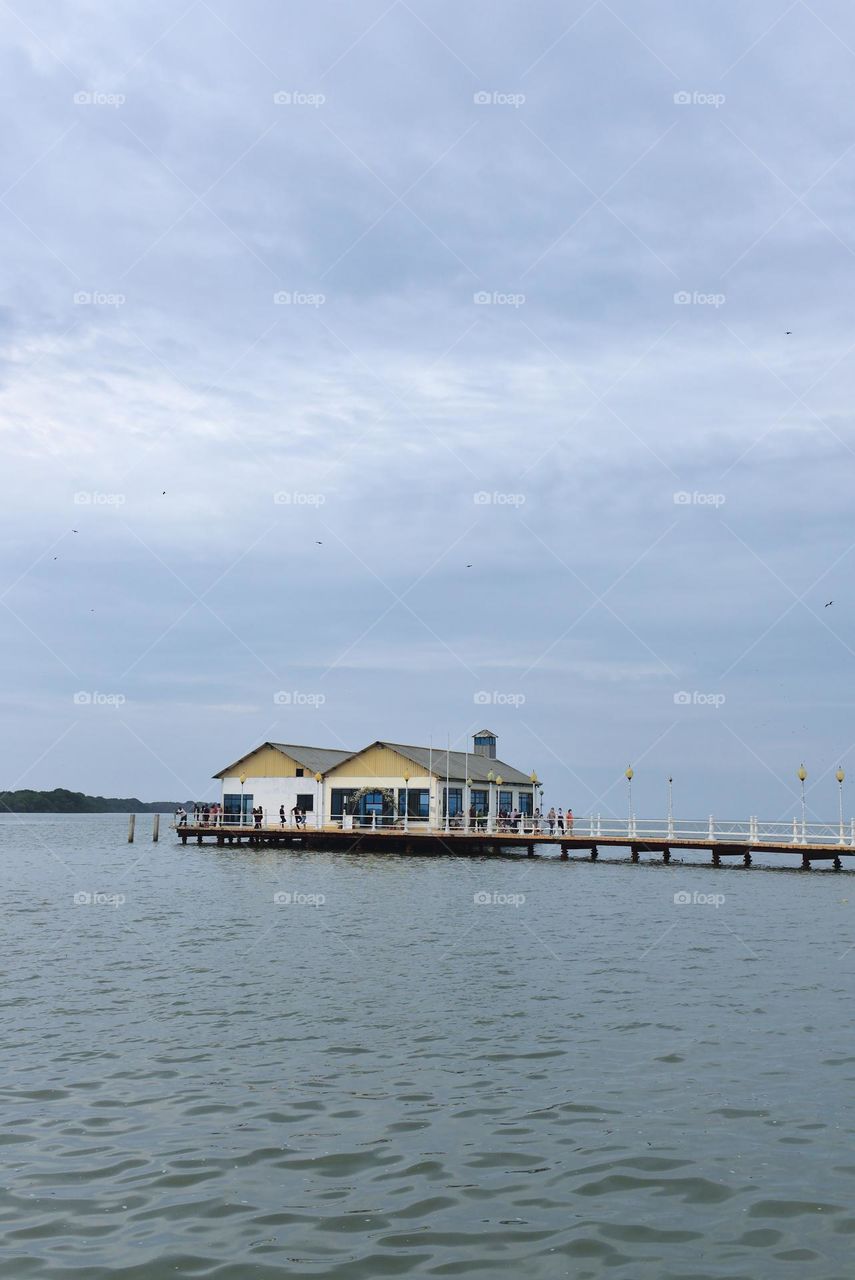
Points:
x=469, y=566
x=789, y=333
x=74, y=531
x=829, y=603
x=319, y=544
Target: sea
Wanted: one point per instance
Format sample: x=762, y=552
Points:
x=242, y=1065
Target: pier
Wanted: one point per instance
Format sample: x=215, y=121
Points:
x=802, y=843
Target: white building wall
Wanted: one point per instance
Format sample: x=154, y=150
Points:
x=270, y=793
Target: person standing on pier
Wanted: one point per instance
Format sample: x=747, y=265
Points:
x=550, y=821
x=536, y=821
x=282, y=815
x=258, y=814
x=568, y=822
x=560, y=822
x=181, y=815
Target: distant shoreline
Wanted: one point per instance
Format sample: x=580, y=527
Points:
x=62, y=801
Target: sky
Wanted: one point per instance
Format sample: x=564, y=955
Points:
x=400, y=369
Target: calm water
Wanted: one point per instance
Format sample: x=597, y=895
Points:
x=202, y=1082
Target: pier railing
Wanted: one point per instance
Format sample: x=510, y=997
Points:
x=747, y=831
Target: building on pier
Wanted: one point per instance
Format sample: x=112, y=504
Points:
x=379, y=783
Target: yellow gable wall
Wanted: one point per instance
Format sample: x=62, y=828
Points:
x=377, y=762
x=266, y=762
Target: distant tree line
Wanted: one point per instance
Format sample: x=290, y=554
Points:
x=62, y=801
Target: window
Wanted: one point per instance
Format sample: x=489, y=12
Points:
x=525, y=805
x=306, y=803
x=339, y=799
x=416, y=799
x=506, y=800
x=231, y=807
x=298, y=773
x=452, y=801
x=479, y=800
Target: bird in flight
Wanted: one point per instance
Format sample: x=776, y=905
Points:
x=789, y=333
x=469, y=566
x=829, y=603
x=319, y=544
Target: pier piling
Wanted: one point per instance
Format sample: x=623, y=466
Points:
x=132, y=822
x=155, y=828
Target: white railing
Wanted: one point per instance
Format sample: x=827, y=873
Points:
x=710, y=830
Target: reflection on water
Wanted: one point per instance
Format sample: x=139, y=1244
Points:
x=275, y=1064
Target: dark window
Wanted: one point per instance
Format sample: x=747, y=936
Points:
x=478, y=801
x=231, y=807
x=416, y=799
x=339, y=798
x=506, y=800
x=306, y=803
x=455, y=801
x=525, y=805
x=298, y=773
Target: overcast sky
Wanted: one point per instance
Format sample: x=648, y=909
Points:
x=457, y=337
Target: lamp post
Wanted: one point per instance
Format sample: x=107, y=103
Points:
x=841, y=776
x=491, y=778
x=533, y=779
x=670, y=806
x=467, y=804
x=629, y=776
x=802, y=775
x=499, y=782
x=242, y=781
x=319, y=777
x=406, y=801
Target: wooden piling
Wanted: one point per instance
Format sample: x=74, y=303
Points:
x=634, y=853
x=595, y=853
x=155, y=828
x=666, y=855
x=746, y=858
x=132, y=822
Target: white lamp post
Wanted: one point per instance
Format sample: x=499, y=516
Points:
x=802, y=775
x=533, y=779
x=491, y=778
x=629, y=775
x=406, y=801
x=242, y=781
x=319, y=779
x=467, y=798
x=840, y=775
x=670, y=807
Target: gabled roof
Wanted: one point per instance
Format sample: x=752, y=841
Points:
x=315, y=759
x=486, y=733
x=460, y=765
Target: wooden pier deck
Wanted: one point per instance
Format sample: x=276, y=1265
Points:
x=395, y=840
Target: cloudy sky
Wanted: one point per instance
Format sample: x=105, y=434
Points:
x=396, y=368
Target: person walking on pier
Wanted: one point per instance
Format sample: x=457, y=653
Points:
x=550, y=821
x=568, y=822
x=282, y=815
x=181, y=815
x=560, y=822
x=258, y=814
x=536, y=821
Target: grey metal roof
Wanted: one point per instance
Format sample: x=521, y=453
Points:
x=318, y=759
x=460, y=765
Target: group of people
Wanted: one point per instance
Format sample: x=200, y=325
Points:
x=298, y=816
x=558, y=822
x=204, y=815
